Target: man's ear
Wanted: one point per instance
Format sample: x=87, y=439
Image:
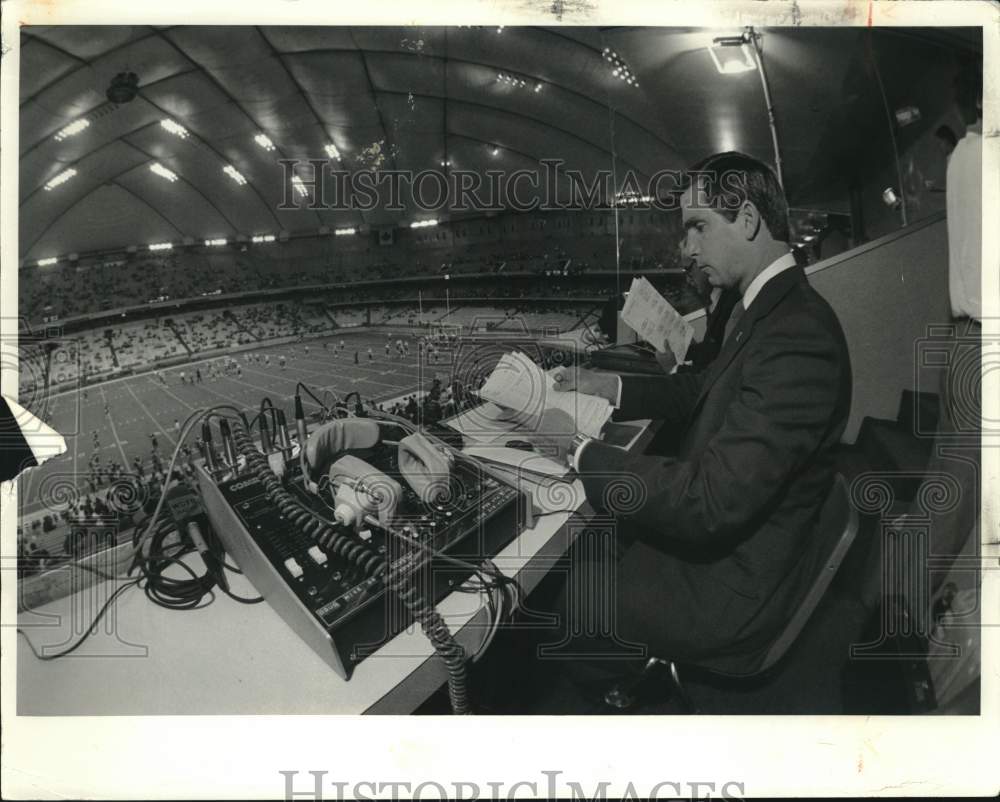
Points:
x=750, y=220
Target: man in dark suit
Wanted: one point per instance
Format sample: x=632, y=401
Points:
x=718, y=304
x=714, y=548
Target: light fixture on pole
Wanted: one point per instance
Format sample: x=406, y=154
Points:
x=733, y=55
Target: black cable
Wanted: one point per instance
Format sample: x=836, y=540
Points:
x=166, y=591
x=312, y=395
x=90, y=630
x=272, y=409
x=326, y=533
x=333, y=537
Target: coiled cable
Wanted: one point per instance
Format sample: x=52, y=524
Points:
x=373, y=564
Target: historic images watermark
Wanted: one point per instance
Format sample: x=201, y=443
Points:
x=324, y=184
x=316, y=786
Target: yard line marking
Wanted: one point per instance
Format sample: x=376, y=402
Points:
x=114, y=430
x=236, y=402
x=164, y=389
x=161, y=429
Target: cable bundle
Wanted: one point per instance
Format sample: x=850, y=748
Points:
x=326, y=533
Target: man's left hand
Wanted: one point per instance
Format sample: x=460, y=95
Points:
x=554, y=434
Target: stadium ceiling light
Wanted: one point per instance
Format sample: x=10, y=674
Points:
x=46, y=262
x=175, y=128
x=343, y=232
x=495, y=151
x=299, y=186
x=161, y=246
x=72, y=129
x=446, y=162
x=511, y=80
x=423, y=223
x=264, y=141
x=731, y=54
x=631, y=198
x=619, y=69
x=332, y=152
x=214, y=243
x=163, y=172
x=234, y=174
x=62, y=178
x=259, y=238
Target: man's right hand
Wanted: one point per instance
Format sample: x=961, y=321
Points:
x=587, y=381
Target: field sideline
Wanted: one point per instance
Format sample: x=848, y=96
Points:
x=140, y=405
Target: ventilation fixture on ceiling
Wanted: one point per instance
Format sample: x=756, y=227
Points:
x=123, y=88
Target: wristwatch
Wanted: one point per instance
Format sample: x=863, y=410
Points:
x=578, y=442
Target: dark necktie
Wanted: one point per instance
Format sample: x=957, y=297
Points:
x=734, y=319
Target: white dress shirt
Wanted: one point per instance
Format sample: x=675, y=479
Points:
x=964, y=202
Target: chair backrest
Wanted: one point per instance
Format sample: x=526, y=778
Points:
x=838, y=524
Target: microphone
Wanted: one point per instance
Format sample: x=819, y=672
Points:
x=210, y=456
x=227, y=443
x=189, y=517
x=284, y=441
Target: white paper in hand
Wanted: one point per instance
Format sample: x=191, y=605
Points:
x=652, y=317
x=523, y=388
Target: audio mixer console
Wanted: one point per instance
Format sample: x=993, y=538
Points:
x=334, y=584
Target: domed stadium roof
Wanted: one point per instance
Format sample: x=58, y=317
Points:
x=477, y=98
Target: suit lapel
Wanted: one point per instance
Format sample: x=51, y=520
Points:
x=770, y=294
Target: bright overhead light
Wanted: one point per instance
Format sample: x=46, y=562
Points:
x=446, y=163
x=259, y=238
x=332, y=152
x=731, y=55
x=264, y=141
x=72, y=129
x=46, y=262
x=175, y=128
x=299, y=186
x=619, y=69
x=163, y=172
x=495, y=151
x=343, y=232
x=62, y=178
x=234, y=174
x=423, y=223
x=161, y=246
x=630, y=197
x=511, y=80
x=499, y=28
x=214, y=243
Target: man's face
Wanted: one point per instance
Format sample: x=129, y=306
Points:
x=695, y=279
x=713, y=243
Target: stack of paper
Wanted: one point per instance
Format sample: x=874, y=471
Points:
x=652, y=317
x=517, y=384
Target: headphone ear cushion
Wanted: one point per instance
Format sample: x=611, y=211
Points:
x=424, y=467
x=344, y=434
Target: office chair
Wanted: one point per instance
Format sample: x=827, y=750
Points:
x=838, y=526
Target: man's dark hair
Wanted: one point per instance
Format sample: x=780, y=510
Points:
x=969, y=88
x=728, y=180
x=945, y=134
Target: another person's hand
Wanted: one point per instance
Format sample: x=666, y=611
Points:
x=587, y=381
x=666, y=360
x=554, y=433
